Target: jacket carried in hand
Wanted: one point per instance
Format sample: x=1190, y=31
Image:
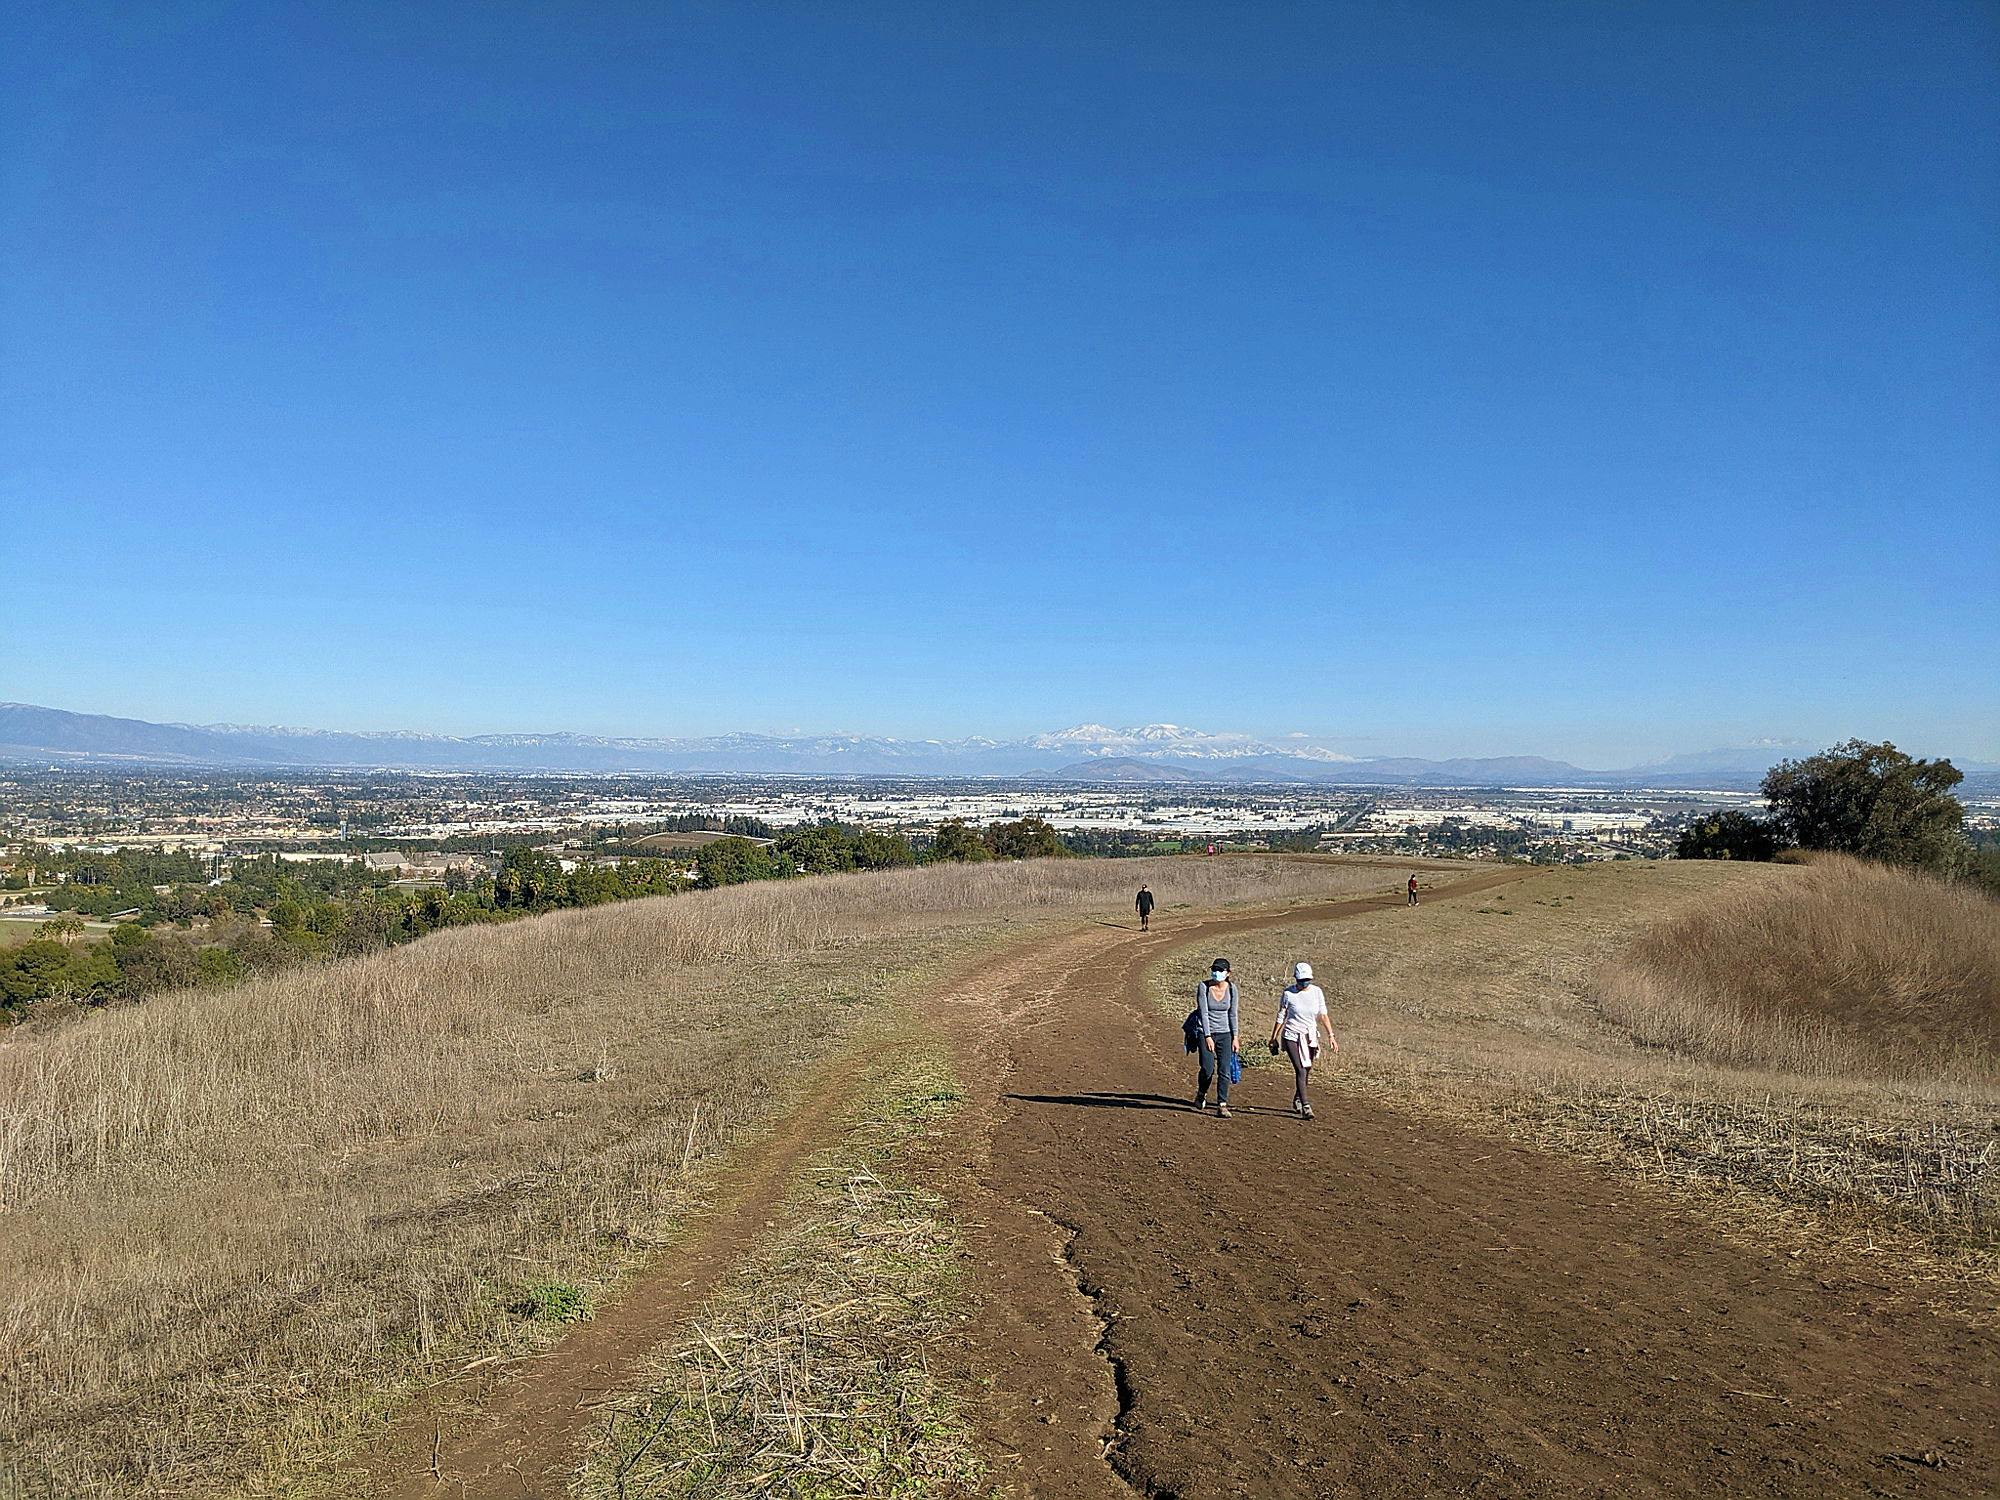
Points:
x=1210, y=1016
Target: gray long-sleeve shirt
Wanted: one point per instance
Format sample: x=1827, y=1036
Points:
x=1217, y=1015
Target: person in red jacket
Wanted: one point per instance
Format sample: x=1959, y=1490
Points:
x=1413, y=890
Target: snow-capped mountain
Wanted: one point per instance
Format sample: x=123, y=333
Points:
x=1152, y=740
x=1084, y=752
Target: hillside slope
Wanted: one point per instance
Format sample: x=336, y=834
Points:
x=1843, y=968
x=241, y=1222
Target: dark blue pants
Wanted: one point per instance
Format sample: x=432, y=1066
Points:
x=1215, y=1066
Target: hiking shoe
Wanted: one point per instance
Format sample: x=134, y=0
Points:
x=1222, y=1111
x=1305, y=1111
x=1199, y=1101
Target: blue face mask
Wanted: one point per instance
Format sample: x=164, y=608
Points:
x=1217, y=976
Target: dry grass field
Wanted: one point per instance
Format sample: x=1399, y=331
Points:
x=238, y=1225
x=1802, y=1040
x=1840, y=969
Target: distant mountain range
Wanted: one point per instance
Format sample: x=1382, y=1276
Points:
x=1155, y=753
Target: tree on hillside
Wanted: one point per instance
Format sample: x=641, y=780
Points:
x=883, y=851
x=732, y=861
x=955, y=841
x=818, y=849
x=529, y=878
x=1727, y=835
x=1870, y=800
x=1028, y=838
x=65, y=929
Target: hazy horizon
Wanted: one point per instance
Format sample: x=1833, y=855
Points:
x=1359, y=747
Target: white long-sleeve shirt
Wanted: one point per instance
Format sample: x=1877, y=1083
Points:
x=1299, y=1011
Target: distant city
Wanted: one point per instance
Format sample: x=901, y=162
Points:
x=420, y=825
x=81, y=785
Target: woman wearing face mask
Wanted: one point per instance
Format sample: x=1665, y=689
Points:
x=1215, y=1013
x=1301, y=1013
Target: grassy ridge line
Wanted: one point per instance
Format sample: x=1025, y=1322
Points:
x=240, y=1222
x=809, y=1374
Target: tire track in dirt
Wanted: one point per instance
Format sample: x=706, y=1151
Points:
x=1372, y=1304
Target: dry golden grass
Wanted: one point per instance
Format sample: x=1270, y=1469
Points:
x=233, y=1222
x=1486, y=1012
x=811, y=1372
x=1844, y=969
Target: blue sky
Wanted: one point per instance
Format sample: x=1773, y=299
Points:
x=1579, y=379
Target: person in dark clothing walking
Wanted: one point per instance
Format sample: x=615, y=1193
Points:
x=1145, y=905
x=1413, y=890
x=1215, y=1008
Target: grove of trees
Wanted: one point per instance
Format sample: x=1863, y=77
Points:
x=269, y=914
x=1859, y=798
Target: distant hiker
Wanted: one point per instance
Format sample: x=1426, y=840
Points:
x=1413, y=890
x=1145, y=905
x=1301, y=1010
x=1215, y=1018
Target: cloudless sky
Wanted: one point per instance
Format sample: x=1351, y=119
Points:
x=1594, y=380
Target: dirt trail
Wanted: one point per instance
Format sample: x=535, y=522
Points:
x=1177, y=1305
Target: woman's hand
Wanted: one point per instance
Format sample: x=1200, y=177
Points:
x=1208, y=1044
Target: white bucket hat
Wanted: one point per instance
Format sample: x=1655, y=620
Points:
x=1302, y=971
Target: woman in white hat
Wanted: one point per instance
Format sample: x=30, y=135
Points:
x=1301, y=1013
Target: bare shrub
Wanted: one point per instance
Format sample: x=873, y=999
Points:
x=1844, y=968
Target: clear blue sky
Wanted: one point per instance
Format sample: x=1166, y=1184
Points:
x=1596, y=380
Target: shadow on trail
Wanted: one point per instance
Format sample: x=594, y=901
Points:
x=1139, y=1101
x=1105, y=1101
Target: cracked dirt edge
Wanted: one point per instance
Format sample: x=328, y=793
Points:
x=1052, y=1434
x=1092, y=1297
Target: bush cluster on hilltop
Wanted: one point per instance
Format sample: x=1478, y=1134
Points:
x=1868, y=800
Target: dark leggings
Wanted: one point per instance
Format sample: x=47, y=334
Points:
x=1225, y=1042
x=1298, y=1052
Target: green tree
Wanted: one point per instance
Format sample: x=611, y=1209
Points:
x=731, y=861
x=883, y=851
x=64, y=929
x=216, y=967
x=822, y=849
x=1871, y=800
x=44, y=970
x=528, y=880
x=1727, y=835
x=957, y=842
x=1027, y=838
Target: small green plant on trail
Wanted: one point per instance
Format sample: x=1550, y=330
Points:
x=555, y=1302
